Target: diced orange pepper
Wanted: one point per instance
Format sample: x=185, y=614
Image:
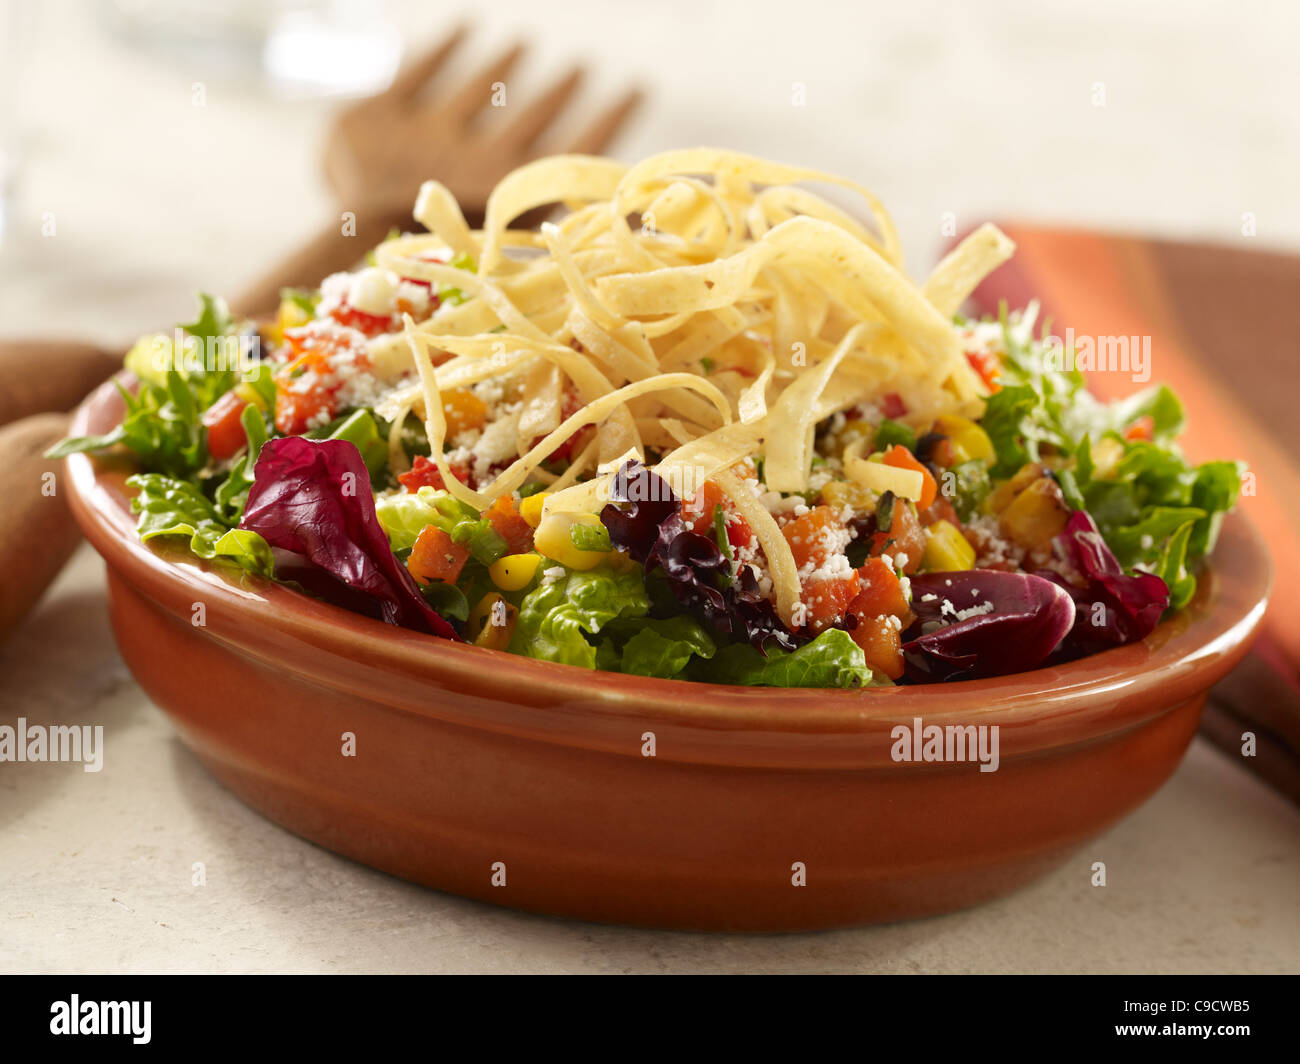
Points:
x=436, y=557
x=463, y=410
x=506, y=519
x=826, y=601
x=698, y=510
x=880, y=593
x=900, y=457
x=905, y=536
x=1144, y=428
x=881, y=644
x=940, y=510
x=988, y=366
x=807, y=536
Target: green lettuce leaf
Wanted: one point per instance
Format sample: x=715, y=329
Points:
x=170, y=507
x=556, y=618
x=830, y=660
x=404, y=514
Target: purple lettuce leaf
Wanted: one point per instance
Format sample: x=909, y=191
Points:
x=644, y=519
x=1114, y=607
x=1028, y=618
x=313, y=498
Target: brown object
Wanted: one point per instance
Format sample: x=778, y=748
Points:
x=41, y=375
x=527, y=783
x=380, y=151
x=37, y=532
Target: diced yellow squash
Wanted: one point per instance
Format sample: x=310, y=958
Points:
x=491, y=622
x=1036, y=515
x=842, y=493
x=946, y=549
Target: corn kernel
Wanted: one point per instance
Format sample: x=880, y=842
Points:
x=842, y=493
x=552, y=539
x=530, y=509
x=946, y=549
x=514, y=572
x=968, y=439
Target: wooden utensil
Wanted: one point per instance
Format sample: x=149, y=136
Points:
x=39, y=375
x=379, y=151
x=38, y=533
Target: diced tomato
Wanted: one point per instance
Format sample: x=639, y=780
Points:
x=436, y=557
x=361, y=320
x=900, y=457
x=880, y=593
x=988, y=366
x=811, y=536
x=893, y=406
x=827, y=600
x=881, y=644
x=1144, y=428
x=511, y=527
x=424, y=474
x=905, y=536
x=226, y=436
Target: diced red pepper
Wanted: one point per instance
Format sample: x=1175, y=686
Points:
x=988, y=366
x=226, y=437
x=361, y=320
x=698, y=511
x=510, y=526
x=893, y=406
x=424, y=474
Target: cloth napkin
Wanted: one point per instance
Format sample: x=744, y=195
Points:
x=1224, y=322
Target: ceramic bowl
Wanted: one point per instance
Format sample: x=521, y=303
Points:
x=652, y=802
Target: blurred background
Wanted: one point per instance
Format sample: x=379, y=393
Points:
x=152, y=148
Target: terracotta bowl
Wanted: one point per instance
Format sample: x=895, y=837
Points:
x=525, y=783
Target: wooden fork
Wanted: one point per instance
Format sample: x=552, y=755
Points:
x=380, y=150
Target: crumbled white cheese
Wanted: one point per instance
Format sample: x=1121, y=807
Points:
x=374, y=291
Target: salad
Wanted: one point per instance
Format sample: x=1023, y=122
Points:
x=700, y=427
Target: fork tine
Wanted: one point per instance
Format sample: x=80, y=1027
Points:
x=524, y=128
x=593, y=139
x=473, y=95
x=416, y=74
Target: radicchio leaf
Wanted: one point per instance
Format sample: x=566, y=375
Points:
x=1131, y=604
x=313, y=498
x=644, y=519
x=1028, y=618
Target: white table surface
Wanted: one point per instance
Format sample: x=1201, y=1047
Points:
x=938, y=110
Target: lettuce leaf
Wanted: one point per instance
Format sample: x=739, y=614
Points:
x=404, y=515
x=833, y=659
x=556, y=618
x=170, y=507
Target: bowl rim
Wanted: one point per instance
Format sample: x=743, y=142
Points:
x=1082, y=700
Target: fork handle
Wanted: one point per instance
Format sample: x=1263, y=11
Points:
x=329, y=251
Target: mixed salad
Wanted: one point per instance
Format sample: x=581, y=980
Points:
x=1051, y=528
